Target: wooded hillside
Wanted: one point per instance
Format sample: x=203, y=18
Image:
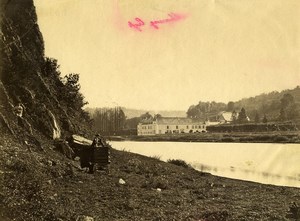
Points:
x=276, y=106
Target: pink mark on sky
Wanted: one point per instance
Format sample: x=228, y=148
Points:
x=137, y=25
x=172, y=17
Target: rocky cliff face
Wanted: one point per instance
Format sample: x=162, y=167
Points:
x=28, y=78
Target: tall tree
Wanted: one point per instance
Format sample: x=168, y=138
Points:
x=242, y=118
x=109, y=120
x=71, y=94
x=193, y=112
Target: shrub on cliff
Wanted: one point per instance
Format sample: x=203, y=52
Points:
x=178, y=162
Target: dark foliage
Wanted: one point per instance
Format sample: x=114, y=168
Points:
x=205, y=109
x=179, y=162
x=146, y=116
x=132, y=122
x=242, y=117
x=253, y=127
x=230, y=106
x=30, y=78
x=109, y=121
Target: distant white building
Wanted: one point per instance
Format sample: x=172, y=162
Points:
x=227, y=117
x=170, y=125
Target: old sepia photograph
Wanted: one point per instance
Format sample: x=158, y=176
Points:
x=163, y=110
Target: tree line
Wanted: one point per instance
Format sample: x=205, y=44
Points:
x=109, y=121
x=113, y=121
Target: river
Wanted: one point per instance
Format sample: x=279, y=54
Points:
x=277, y=164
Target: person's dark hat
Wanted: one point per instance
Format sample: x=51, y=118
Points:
x=97, y=135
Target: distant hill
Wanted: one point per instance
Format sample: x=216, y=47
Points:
x=273, y=105
x=131, y=113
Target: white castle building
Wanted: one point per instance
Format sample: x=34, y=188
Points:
x=170, y=125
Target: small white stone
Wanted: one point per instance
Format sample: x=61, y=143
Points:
x=121, y=181
x=84, y=218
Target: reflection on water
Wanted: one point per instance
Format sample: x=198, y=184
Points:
x=251, y=175
x=277, y=164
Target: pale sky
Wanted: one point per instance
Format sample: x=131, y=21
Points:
x=221, y=50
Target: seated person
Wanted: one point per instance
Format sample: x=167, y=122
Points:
x=97, y=142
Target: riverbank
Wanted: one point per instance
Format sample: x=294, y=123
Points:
x=44, y=185
x=239, y=137
x=267, y=163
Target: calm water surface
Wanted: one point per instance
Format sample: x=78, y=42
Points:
x=277, y=164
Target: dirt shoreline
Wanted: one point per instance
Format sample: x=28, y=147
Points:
x=44, y=185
